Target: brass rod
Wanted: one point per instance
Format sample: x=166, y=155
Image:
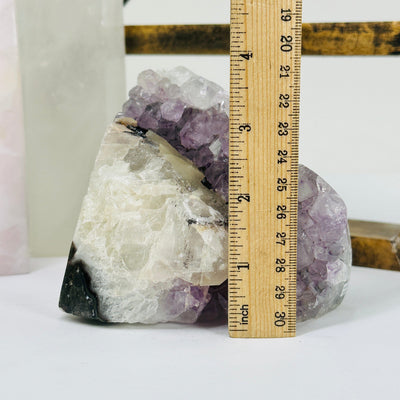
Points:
x=357, y=38
x=375, y=244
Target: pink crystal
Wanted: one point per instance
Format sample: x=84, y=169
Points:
x=13, y=226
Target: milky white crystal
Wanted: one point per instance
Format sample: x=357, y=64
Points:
x=149, y=230
x=72, y=59
x=13, y=229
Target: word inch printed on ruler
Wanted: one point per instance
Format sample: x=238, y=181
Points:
x=263, y=166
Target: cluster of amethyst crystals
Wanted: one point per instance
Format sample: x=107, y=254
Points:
x=191, y=113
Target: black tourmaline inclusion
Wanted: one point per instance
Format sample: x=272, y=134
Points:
x=76, y=295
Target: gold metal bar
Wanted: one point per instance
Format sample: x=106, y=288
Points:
x=375, y=244
x=352, y=39
x=177, y=39
x=357, y=38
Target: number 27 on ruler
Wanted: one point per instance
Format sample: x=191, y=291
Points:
x=263, y=166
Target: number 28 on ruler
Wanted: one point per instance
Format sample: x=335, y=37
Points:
x=263, y=166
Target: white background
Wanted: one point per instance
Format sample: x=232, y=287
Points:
x=350, y=130
x=351, y=353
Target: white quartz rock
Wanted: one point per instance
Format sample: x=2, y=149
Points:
x=148, y=225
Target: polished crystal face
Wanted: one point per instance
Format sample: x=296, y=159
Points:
x=13, y=220
x=151, y=241
x=73, y=74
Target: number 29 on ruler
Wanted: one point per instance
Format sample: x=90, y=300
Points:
x=263, y=166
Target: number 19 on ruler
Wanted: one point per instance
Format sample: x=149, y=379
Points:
x=263, y=166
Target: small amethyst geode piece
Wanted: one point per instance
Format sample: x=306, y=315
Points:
x=191, y=113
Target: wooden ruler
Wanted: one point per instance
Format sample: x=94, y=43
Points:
x=263, y=171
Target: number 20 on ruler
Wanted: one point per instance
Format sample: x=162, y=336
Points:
x=263, y=172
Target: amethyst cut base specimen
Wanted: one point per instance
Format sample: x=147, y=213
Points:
x=191, y=113
x=151, y=240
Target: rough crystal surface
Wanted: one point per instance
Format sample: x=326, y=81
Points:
x=191, y=114
x=324, y=248
x=151, y=237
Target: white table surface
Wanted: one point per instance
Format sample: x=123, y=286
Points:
x=351, y=353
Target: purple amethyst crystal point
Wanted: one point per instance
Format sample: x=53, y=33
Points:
x=191, y=113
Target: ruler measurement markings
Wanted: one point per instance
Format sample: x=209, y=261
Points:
x=256, y=290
